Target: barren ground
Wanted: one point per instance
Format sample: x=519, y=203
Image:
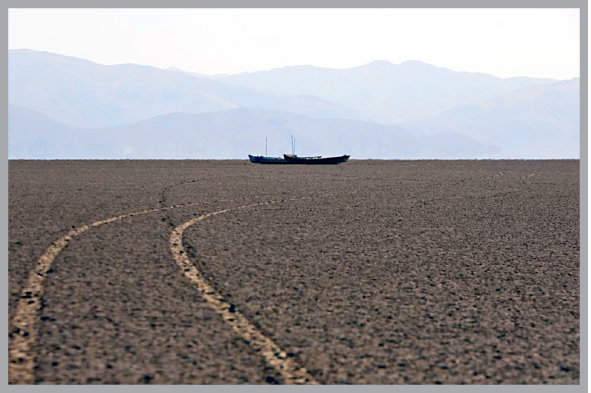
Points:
x=371, y=272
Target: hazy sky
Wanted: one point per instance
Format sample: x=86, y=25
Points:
x=501, y=42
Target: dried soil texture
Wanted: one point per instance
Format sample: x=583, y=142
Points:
x=370, y=272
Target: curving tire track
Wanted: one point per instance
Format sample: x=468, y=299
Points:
x=272, y=353
x=24, y=325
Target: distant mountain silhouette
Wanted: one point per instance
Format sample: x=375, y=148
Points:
x=237, y=132
x=34, y=135
x=536, y=121
x=63, y=106
x=385, y=92
x=85, y=94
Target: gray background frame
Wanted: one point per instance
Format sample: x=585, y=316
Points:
x=582, y=5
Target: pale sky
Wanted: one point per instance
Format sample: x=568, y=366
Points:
x=501, y=42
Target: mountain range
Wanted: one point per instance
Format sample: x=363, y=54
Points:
x=85, y=94
x=237, y=133
x=65, y=107
x=536, y=121
x=384, y=92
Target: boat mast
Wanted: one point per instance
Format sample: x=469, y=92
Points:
x=265, y=146
x=292, y=145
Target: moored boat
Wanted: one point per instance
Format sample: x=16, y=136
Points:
x=266, y=160
x=316, y=160
x=294, y=159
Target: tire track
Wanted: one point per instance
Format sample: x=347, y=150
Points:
x=271, y=352
x=21, y=361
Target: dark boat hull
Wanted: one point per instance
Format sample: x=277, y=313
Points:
x=316, y=160
x=295, y=160
x=266, y=160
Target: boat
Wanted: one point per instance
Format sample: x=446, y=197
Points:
x=266, y=160
x=294, y=159
x=316, y=160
